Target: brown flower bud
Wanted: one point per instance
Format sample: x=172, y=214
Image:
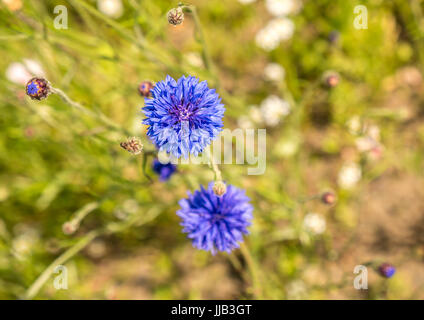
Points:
x=331, y=79
x=38, y=88
x=175, y=16
x=69, y=228
x=219, y=188
x=144, y=88
x=328, y=198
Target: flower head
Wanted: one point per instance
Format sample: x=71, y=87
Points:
x=277, y=30
x=273, y=109
x=314, y=223
x=38, y=88
x=184, y=116
x=216, y=222
x=274, y=72
x=349, y=175
x=111, y=8
x=386, y=270
x=282, y=7
x=165, y=171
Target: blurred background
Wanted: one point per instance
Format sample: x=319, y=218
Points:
x=343, y=109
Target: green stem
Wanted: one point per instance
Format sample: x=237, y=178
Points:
x=206, y=57
x=63, y=258
x=83, y=212
x=213, y=165
x=98, y=116
x=112, y=227
x=257, y=290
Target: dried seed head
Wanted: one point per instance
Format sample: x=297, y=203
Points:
x=132, y=145
x=144, y=88
x=38, y=88
x=175, y=16
x=328, y=198
x=386, y=270
x=219, y=188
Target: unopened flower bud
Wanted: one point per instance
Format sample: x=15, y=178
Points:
x=219, y=188
x=69, y=228
x=331, y=79
x=334, y=36
x=175, y=16
x=38, y=88
x=132, y=145
x=328, y=198
x=144, y=88
x=386, y=270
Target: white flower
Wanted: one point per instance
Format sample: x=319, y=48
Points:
x=20, y=73
x=286, y=148
x=370, y=142
x=194, y=59
x=244, y=122
x=314, y=223
x=296, y=290
x=354, y=125
x=110, y=8
x=349, y=175
x=373, y=132
x=282, y=7
x=273, y=109
x=274, y=32
x=255, y=114
x=274, y=72
x=34, y=67
x=365, y=144
x=13, y=5
x=267, y=39
x=246, y=1
x=283, y=26
x=17, y=73
x=25, y=241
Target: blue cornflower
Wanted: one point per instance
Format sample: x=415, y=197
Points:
x=216, y=222
x=386, y=270
x=165, y=171
x=184, y=116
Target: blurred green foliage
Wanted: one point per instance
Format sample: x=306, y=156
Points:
x=55, y=160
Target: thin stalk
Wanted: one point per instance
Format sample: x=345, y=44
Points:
x=111, y=228
x=200, y=35
x=82, y=213
x=213, y=165
x=98, y=116
x=63, y=258
x=257, y=290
